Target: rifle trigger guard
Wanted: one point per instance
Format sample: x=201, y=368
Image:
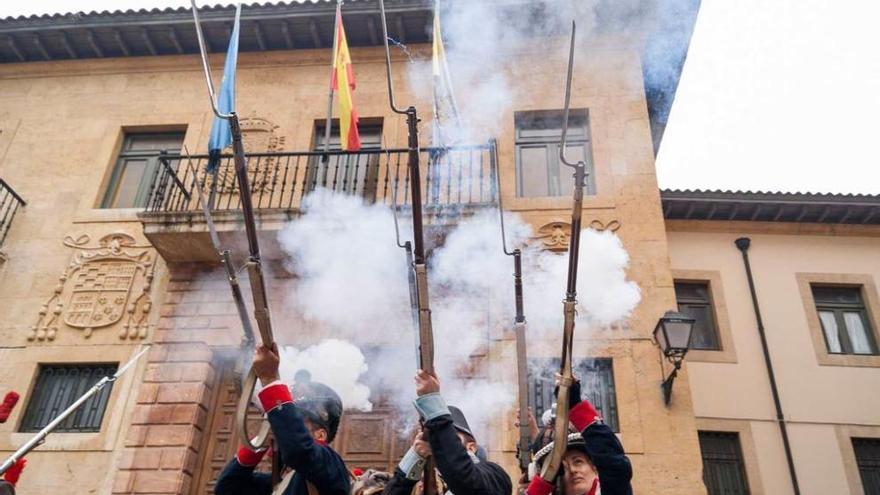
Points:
x=247, y=391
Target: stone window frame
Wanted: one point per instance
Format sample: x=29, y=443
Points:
x=116, y=414
x=747, y=444
x=712, y=278
x=872, y=307
x=106, y=154
x=152, y=159
x=522, y=118
x=845, y=434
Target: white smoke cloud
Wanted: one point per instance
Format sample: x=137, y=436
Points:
x=352, y=277
x=333, y=362
x=351, y=282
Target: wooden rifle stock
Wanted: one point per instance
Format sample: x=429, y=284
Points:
x=258, y=289
x=523, y=453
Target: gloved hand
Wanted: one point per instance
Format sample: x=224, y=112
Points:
x=7, y=405
x=574, y=392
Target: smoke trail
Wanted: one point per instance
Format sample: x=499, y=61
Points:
x=352, y=283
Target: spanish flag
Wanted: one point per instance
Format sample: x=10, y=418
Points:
x=342, y=81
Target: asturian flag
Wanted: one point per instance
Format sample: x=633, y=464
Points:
x=342, y=81
x=221, y=134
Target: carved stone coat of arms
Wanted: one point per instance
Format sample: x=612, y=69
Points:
x=102, y=286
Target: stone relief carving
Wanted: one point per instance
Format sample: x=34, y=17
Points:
x=102, y=286
x=258, y=136
x=555, y=236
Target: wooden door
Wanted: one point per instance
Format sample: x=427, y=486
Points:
x=365, y=439
x=371, y=439
x=220, y=443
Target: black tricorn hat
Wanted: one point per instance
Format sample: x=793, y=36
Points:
x=460, y=422
x=318, y=402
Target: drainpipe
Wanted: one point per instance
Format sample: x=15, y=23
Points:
x=743, y=245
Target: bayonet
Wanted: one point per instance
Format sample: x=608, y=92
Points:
x=523, y=453
x=551, y=468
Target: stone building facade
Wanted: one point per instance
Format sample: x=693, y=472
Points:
x=813, y=257
x=96, y=266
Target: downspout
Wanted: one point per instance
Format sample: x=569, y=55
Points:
x=743, y=244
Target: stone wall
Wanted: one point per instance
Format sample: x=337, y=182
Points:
x=62, y=124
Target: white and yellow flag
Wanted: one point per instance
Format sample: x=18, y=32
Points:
x=446, y=117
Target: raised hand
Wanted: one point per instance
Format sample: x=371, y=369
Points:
x=266, y=364
x=426, y=383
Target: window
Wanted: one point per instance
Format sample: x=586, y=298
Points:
x=136, y=166
x=597, y=385
x=867, y=452
x=723, y=467
x=355, y=173
x=844, y=320
x=694, y=300
x=538, y=169
x=59, y=386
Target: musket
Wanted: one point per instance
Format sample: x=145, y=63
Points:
x=248, y=341
x=551, y=468
x=411, y=276
x=38, y=439
x=523, y=453
x=254, y=264
x=419, y=267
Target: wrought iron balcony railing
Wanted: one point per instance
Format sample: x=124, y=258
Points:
x=452, y=177
x=10, y=202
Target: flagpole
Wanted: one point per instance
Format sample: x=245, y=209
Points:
x=329, y=122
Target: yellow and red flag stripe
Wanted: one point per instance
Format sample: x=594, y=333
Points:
x=342, y=81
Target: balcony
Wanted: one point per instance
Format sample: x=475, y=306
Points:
x=456, y=181
x=10, y=202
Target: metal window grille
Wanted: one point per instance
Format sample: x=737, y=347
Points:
x=694, y=300
x=538, y=169
x=57, y=387
x=867, y=451
x=845, y=323
x=723, y=467
x=137, y=164
x=597, y=385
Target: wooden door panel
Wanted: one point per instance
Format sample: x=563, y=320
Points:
x=365, y=439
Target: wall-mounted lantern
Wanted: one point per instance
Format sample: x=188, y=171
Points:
x=673, y=335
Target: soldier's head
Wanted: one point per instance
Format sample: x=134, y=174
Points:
x=465, y=434
x=321, y=407
x=578, y=471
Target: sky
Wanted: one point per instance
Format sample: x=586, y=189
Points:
x=776, y=95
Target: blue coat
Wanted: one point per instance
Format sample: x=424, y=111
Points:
x=312, y=461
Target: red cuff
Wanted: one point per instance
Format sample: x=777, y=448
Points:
x=248, y=457
x=274, y=395
x=13, y=473
x=8, y=404
x=539, y=486
x=583, y=415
